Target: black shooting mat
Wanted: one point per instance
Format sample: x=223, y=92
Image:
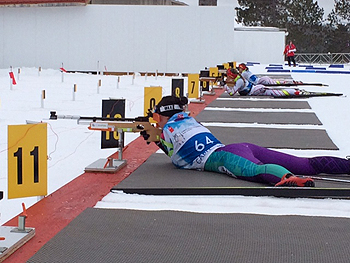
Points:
x=311, y=139
x=226, y=96
x=159, y=173
x=301, y=118
x=266, y=104
x=279, y=76
x=118, y=235
x=267, y=137
x=236, y=96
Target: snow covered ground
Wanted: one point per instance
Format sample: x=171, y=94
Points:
x=72, y=147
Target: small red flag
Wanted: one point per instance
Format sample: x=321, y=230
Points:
x=24, y=213
x=63, y=69
x=12, y=76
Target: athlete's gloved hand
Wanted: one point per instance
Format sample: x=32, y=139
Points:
x=145, y=136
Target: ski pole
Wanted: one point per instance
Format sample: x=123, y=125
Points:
x=328, y=179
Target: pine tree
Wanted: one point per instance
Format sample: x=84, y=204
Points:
x=268, y=13
x=304, y=13
x=339, y=32
x=303, y=20
x=340, y=15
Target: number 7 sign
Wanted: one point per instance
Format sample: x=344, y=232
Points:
x=193, y=86
x=27, y=160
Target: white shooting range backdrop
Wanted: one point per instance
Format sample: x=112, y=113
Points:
x=169, y=39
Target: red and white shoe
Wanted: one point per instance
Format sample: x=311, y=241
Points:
x=290, y=180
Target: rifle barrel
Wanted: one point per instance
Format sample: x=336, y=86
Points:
x=54, y=116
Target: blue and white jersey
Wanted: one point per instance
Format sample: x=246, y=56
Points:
x=189, y=143
x=250, y=77
x=241, y=86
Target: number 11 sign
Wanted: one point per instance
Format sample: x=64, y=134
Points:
x=27, y=160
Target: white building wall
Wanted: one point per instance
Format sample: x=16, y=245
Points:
x=263, y=46
x=130, y=38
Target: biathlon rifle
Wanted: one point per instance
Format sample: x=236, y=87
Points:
x=213, y=78
x=138, y=124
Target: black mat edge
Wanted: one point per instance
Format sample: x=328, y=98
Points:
x=260, y=104
x=289, y=192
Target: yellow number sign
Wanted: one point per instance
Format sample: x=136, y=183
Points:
x=151, y=98
x=193, y=86
x=115, y=133
x=213, y=72
x=27, y=160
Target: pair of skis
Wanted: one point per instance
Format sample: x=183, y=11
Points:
x=296, y=84
x=304, y=94
x=329, y=179
x=308, y=94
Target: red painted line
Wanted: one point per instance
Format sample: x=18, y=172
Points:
x=196, y=108
x=51, y=214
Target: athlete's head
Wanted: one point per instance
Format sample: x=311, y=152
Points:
x=167, y=107
x=242, y=67
x=232, y=73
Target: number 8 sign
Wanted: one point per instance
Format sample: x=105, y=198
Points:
x=152, y=95
x=27, y=160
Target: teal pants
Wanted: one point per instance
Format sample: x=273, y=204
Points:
x=241, y=168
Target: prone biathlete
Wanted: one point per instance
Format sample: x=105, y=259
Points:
x=190, y=145
x=235, y=83
x=255, y=80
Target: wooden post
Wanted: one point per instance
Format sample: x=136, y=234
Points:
x=62, y=73
x=74, y=91
x=98, y=86
x=42, y=98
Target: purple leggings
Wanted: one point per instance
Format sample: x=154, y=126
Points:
x=297, y=165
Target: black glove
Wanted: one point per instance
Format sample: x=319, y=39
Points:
x=145, y=136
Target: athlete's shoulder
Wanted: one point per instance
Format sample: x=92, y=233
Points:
x=179, y=116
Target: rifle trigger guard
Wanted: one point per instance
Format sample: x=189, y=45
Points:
x=140, y=127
